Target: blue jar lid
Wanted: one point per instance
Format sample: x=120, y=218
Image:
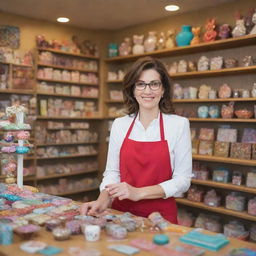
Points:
x=161, y=239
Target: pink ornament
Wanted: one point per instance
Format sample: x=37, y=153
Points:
x=23, y=135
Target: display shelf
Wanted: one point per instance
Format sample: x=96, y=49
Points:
x=228, y=186
x=66, y=95
x=114, y=81
x=66, y=128
x=67, y=118
x=25, y=178
x=210, y=46
x=114, y=101
x=16, y=64
x=228, y=160
x=220, y=72
x=68, y=156
x=53, y=176
x=67, y=68
x=77, y=191
x=69, y=53
x=67, y=143
x=66, y=82
x=212, y=100
x=29, y=158
x=230, y=120
x=221, y=209
x=16, y=91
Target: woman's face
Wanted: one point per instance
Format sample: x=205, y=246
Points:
x=148, y=98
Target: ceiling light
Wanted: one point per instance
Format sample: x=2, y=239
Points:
x=171, y=8
x=63, y=19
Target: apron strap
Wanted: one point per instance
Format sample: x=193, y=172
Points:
x=161, y=127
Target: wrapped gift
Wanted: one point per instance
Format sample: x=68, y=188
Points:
x=220, y=175
x=206, y=134
x=235, y=201
x=221, y=148
x=195, y=194
x=206, y=147
x=212, y=199
x=227, y=135
x=249, y=135
x=252, y=206
x=195, y=145
x=237, y=178
x=240, y=150
x=251, y=179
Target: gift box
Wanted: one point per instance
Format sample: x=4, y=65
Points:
x=227, y=135
x=240, y=150
x=206, y=134
x=236, y=202
x=206, y=147
x=249, y=135
x=237, y=178
x=212, y=199
x=220, y=175
x=221, y=148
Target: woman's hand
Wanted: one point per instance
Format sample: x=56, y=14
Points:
x=124, y=191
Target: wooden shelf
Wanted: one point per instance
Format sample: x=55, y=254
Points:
x=228, y=160
x=25, y=178
x=212, y=100
x=230, y=120
x=220, y=72
x=228, y=186
x=221, y=209
x=68, y=53
x=17, y=91
x=65, y=82
x=14, y=64
x=64, y=175
x=211, y=46
x=114, y=81
x=66, y=95
x=66, y=128
x=67, y=143
x=77, y=191
x=67, y=68
x=114, y=101
x=68, y=156
x=67, y=118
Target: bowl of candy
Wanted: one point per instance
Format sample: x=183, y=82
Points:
x=244, y=113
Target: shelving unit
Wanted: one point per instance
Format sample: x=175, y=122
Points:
x=195, y=79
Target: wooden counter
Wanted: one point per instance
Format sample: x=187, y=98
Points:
x=79, y=241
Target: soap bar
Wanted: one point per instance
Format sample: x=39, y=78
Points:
x=161, y=239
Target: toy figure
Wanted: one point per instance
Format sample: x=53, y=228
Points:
x=239, y=29
x=170, y=42
x=138, y=47
x=248, y=20
x=196, y=32
x=161, y=41
x=224, y=31
x=210, y=33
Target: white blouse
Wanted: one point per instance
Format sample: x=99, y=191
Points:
x=177, y=134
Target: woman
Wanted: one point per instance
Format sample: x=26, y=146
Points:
x=149, y=159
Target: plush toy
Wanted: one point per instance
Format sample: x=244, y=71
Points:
x=210, y=34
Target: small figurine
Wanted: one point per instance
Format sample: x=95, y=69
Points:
x=182, y=66
x=203, y=63
x=224, y=31
x=173, y=69
x=239, y=29
x=150, y=42
x=253, y=31
x=210, y=33
x=196, y=39
x=138, y=47
x=248, y=20
x=170, y=42
x=125, y=47
x=161, y=41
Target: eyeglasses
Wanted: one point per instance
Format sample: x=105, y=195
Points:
x=153, y=85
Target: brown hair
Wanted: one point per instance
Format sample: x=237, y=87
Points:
x=132, y=106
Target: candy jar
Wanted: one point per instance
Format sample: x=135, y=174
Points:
x=224, y=91
x=210, y=33
x=253, y=31
x=125, y=47
x=237, y=178
x=245, y=93
x=224, y=31
x=212, y=199
x=150, y=42
x=170, y=42
x=161, y=41
x=227, y=111
x=173, y=69
x=196, y=32
x=203, y=112
x=182, y=66
x=138, y=47
x=214, y=111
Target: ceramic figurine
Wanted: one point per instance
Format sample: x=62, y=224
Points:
x=150, y=42
x=239, y=29
x=253, y=91
x=204, y=91
x=227, y=111
x=182, y=66
x=247, y=61
x=214, y=111
x=248, y=20
x=170, y=42
x=185, y=36
x=196, y=32
x=203, y=63
x=224, y=31
x=161, y=41
x=173, y=68
x=253, y=31
x=210, y=34
x=138, y=47
x=224, y=91
x=191, y=66
x=230, y=63
x=216, y=63
x=177, y=91
x=125, y=47
x=203, y=112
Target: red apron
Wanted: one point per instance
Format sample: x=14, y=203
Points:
x=146, y=164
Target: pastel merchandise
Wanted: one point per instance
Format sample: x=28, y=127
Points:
x=212, y=199
x=221, y=175
x=50, y=250
x=23, y=135
x=52, y=223
x=6, y=234
x=10, y=149
x=221, y=149
x=237, y=178
x=74, y=226
x=32, y=246
x=158, y=220
x=161, y=239
x=9, y=137
x=252, y=206
x=204, y=91
x=202, y=111
x=203, y=64
x=224, y=91
x=22, y=150
x=214, y=111
x=227, y=111
x=143, y=244
x=116, y=231
x=227, y=135
x=125, y=249
x=27, y=231
x=61, y=233
x=216, y=63
x=235, y=229
x=249, y=135
x=206, y=134
x=205, y=147
x=92, y=233
x=195, y=194
x=240, y=150
x=234, y=201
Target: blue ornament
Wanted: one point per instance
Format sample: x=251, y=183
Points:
x=161, y=239
x=6, y=234
x=22, y=150
x=10, y=197
x=185, y=36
